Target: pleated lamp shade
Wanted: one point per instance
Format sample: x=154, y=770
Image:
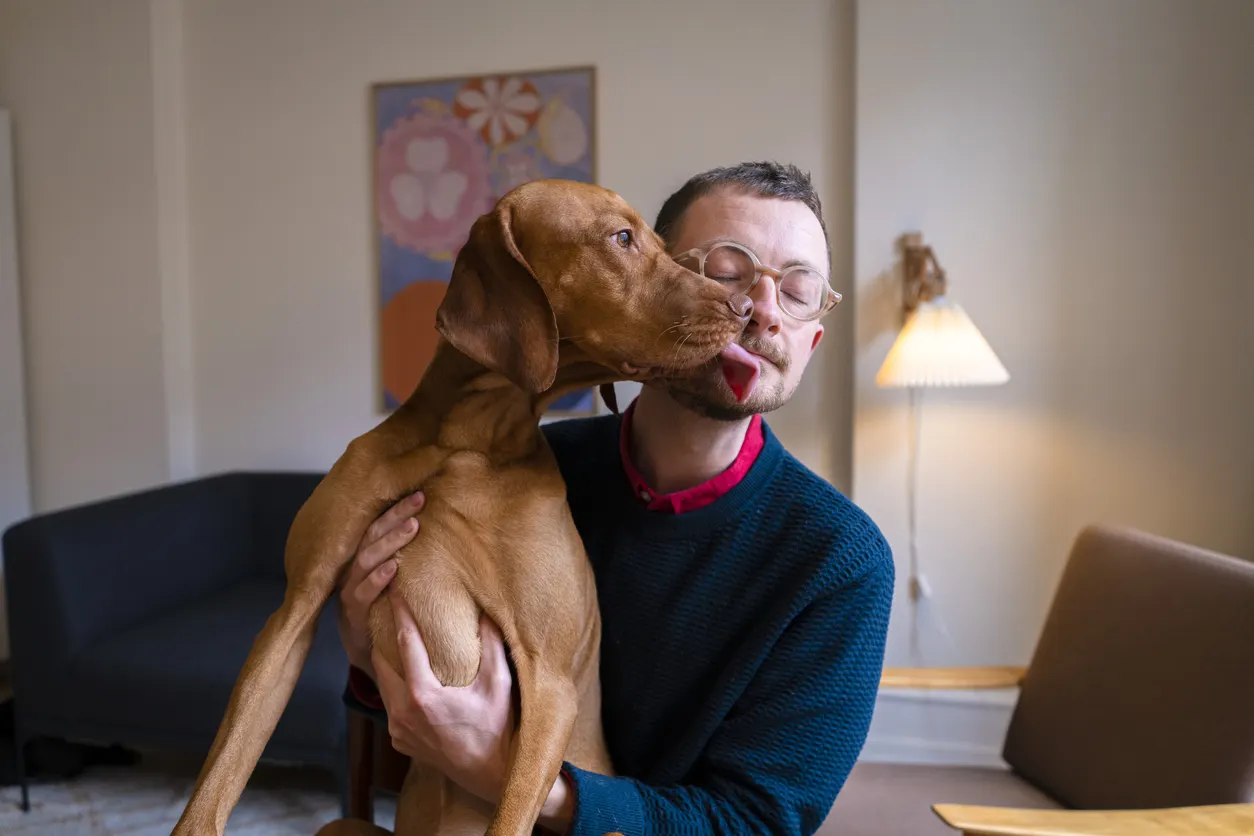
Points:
x=940, y=346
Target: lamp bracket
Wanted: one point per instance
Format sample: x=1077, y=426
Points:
x=921, y=284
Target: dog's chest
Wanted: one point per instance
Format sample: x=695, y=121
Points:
x=515, y=506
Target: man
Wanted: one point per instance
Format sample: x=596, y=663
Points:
x=745, y=601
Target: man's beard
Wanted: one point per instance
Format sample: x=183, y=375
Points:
x=706, y=392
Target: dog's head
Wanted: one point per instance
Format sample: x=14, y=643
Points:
x=559, y=260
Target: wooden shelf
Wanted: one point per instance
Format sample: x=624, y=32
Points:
x=953, y=678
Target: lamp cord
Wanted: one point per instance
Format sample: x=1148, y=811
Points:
x=915, y=587
x=912, y=488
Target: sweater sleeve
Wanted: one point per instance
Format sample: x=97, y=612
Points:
x=780, y=757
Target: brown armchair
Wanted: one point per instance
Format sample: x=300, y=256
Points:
x=1135, y=715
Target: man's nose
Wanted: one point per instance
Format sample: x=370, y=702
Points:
x=766, y=313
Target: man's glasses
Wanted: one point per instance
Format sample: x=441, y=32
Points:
x=802, y=292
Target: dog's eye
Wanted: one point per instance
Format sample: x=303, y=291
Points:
x=623, y=238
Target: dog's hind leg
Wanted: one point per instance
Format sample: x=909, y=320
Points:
x=430, y=804
x=351, y=827
x=549, y=704
x=419, y=801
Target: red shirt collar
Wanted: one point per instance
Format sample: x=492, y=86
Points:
x=700, y=495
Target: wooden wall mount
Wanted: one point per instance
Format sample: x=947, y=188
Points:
x=923, y=276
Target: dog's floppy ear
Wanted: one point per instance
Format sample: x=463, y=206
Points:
x=495, y=311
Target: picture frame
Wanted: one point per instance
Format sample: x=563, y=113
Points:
x=443, y=151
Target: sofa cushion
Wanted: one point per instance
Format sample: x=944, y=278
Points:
x=174, y=674
x=882, y=798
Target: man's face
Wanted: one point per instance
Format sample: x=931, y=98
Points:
x=779, y=232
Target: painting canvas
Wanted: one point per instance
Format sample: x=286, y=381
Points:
x=444, y=151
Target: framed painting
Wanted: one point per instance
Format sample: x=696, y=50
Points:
x=444, y=151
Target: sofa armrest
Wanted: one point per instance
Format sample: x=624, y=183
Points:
x=1217, y=820
x=954, y=679
x=78, y=574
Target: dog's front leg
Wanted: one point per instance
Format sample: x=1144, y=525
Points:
x=323, y=536
x=260, y=695
x=320, y=543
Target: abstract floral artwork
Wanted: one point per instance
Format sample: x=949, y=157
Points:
x=444, y=151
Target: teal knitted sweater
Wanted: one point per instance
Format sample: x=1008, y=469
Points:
x=742, y=644
x=741, y=650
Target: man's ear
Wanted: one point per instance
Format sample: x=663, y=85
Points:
x=495, y=311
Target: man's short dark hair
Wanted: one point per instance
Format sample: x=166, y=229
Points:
x=767, y=179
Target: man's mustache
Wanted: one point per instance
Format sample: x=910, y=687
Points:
x=767, y=349
x=755, y=345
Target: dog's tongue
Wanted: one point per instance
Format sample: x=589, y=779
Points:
x=740, y=370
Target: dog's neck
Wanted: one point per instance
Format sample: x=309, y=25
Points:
x=463, y=405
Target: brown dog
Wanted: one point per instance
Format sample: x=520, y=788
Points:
x=561, y=287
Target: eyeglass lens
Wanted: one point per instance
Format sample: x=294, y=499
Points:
x=800, y=289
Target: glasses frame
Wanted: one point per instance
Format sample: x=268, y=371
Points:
x=831, y=300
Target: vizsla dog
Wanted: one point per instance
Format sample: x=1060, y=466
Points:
x=561, y=287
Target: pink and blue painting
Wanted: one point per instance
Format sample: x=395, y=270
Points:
x=444, y=151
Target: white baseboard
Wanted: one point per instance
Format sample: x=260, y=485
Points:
x=891, y=749
x=951, y=728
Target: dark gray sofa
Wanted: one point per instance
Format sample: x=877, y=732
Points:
x=130, y=618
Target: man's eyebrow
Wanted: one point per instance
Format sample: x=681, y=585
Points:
x=795, y=262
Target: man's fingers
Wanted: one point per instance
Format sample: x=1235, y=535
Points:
x=415, y=663
x=393, y=517
x=389, y=544
x=370, y=558
x=385, y=536
x=387, y=679
x=396, y=694
x=373, y=584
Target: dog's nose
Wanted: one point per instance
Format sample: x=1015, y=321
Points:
x=741, y=305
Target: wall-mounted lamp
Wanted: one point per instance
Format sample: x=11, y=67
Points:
x=938, y=346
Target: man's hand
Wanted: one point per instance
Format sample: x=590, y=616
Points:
x=372, y=569
x=464, y=732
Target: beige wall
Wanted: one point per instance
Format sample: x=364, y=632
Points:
x=76, y=78
x=279, y=154
x=1086, y=171
x=214, y=308
x=193, y=203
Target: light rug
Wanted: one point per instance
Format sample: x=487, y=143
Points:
x=147, y=799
